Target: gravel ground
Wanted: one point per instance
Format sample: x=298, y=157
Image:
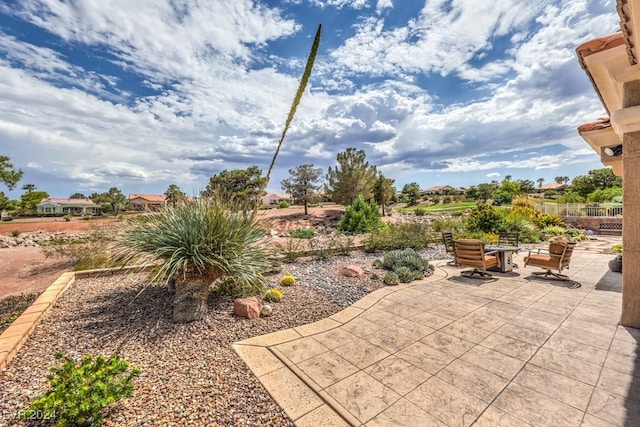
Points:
x=190, y=373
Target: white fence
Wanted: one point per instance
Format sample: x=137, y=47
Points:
x=580, y=209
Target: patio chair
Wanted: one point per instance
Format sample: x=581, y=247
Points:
x=447, y=241
x=557, y=257
x=470, y=253
x=510, y=238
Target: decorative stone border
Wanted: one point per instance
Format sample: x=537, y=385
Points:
x=14, y=337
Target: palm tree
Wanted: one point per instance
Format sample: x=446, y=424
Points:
x=29, y=187
x=540, y=181
x=197, y=243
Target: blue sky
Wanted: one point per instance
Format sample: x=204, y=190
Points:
x=147, y=93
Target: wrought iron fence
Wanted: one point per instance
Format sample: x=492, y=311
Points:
x=580, y=209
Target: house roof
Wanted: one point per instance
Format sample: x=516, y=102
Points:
x=277, y=195
x=439, y=188
x=553, y=186
x=60, y=201
x=157, y=198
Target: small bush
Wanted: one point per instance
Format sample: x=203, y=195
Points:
x=68, y=217
x=360, y=217
x=553, y=230
x=617, y=249
x=15, y=233
x=420, y=211
x=484, y=217
x=391, y=279
x=303, y=233
x=575, y=234
x=288, y=280
x=412, y=234
x=374, y=276
x=79, y=392
x=290, y=250
x=406, y=264
x=283, y=204
x=273, y=295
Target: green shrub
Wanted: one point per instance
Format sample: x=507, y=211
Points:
x=360, y=217
x=446, y=200
x=406, y=264
x=617, y=248
x=454, y=225
x=79, y=392
x=575, y=234
x=7, y=218
x=303, y=233
x=15, y=233
x=405, y=275
x=410, y=234
x=68, y=217
x=485, y=218
x=374, y=276
x=391, y=279
x=420, y=211
x=546, y=220
x=288, y=280
x=273, y=295
x=553, y=230
x=283, y=204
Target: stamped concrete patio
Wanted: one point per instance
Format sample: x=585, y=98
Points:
x=451, y=351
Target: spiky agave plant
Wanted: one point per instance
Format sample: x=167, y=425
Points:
x=196, y=242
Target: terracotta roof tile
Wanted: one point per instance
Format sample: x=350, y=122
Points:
x=149, y=197
x=601, y=123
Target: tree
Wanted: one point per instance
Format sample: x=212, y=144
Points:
x=29, y=188
x=174, y=195
x=303, y=183
x=540, y=181
x=561, y=180
x=596, y=178
x=244, y=185
x=30, y=199
x=526, y=186
x=77, y=196
x=4, y=201
x=411, y=193
x=8, y=175
x=383, y=190
x=351, y=178
x=486, y=190
x=114, y=198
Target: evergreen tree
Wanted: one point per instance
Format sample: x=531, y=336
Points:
x=383, y=190
x=8, y=175
x=352, y=177
x=303, y=183
x=242, y=185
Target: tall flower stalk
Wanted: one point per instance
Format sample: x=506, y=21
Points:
x=296, y=100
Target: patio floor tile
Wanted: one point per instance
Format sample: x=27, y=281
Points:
x=564, y=389
x=447, y=403
x=398, y=374
x=469, y=378
x=363, y=396
x=404, y=414
x=535, y=408
x=493, y=361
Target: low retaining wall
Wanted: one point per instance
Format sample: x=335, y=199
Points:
x=591, y=222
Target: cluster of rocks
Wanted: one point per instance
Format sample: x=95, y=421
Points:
x=37, y=238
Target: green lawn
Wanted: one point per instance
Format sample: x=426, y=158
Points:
x=449, y=207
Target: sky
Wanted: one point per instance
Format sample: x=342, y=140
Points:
x=143, y=94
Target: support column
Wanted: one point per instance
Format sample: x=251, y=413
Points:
x=631, y=231
x=626, y=123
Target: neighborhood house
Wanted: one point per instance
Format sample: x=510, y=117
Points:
x=147, y=202
x=53, y=206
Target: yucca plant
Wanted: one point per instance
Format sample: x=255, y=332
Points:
x=197, y=242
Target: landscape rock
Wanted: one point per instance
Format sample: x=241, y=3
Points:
x=251, y=307
x=351, y=271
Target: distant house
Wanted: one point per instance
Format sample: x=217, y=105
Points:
x=147, y=202
x=53, y=206
x=271, y=200
x=553, y=186
x=440, y=190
